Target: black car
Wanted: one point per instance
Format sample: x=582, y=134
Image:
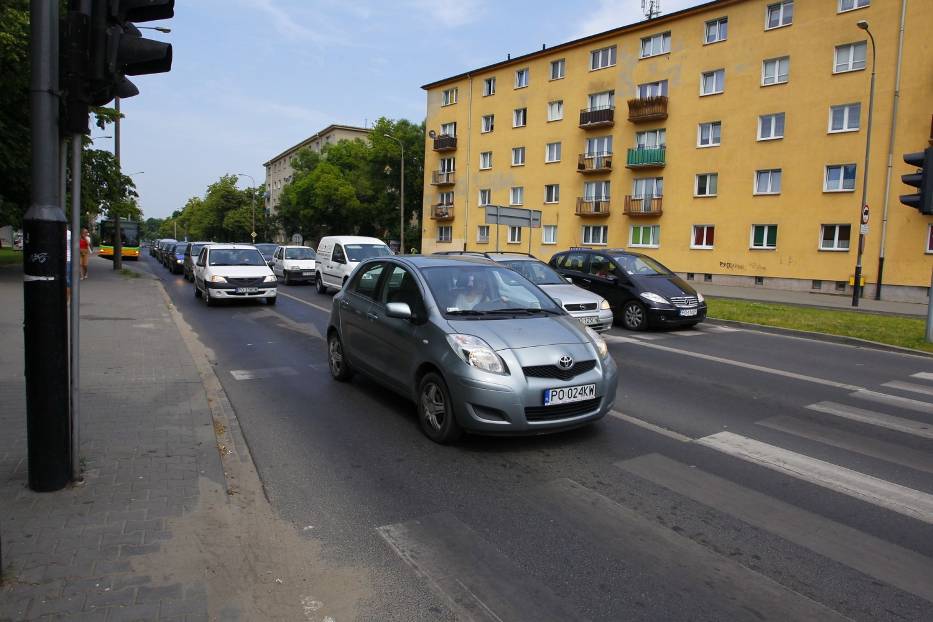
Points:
x=163, y=248
x=191, y=255
x=176, y=258
x=641, y=291
x=267, y=250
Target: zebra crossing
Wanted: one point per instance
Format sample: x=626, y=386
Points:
x=699, y=330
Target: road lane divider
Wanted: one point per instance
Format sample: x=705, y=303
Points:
x=913, y=387
x=894, y=400
x=677, y=436
x=303, y=301
x=871, y=417
x=923, y=375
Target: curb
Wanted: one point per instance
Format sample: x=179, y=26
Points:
x=837, y=339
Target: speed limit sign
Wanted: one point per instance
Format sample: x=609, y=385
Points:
x=865, y=215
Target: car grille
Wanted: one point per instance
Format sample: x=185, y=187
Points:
x=245, y=282
x=553, y=371
x=586, y=306
x=561, y=411
x=684, y=301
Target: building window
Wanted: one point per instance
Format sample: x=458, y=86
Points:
x=558, y=67
x=596, y=191
x=647, y=188
x=709, y=134
x=487, y=123
x=445, y=233
x=703, y=236
x=768, y=181
x=844, y=118
x=599, y=146
x=779, y=14
x=485, y=160
x=518, y=156
x=602, y=101
x=449, y=97
x=602, y=58
x=850, y=57
x=771, y=126
x=516, y=195
x=712, y=82
x=449, y=129
x=520, y=117
x=521, y=78
x=851, y=5
x=652, y=139
x=645, y=236
x=839, y=178
x=515, y=234
x=929, y=239
x=555, y=110
x=552, y=193
x=482, y=234
x=655, y=44
x=652, y=89
x=445, y=198
x=717, y=30
x=485, y=196
x=764, y=236
x=706, y=185
x=489, y=86
x=775, y=71
x=835, y=237
x=595, y=234
x=552, y=152
x=549, y=234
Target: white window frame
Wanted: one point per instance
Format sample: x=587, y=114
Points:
x=522, y=78
x=782, y=14
x=446, y=198
x=645, y=89
x=447, y=126
x=487, y=156
x=644, y=139
x=772, y=124
x=480, y=238
x=548, y=234
x=846, y=118
x=449, y=97
x=652, y=48
x=555, y=110
x=706, y=245
x=449, y=230
x=714, y=177
x=551, y=193
x=721, y=24
x=561, y=65
x=514, y=235
x=518, y=156
x=519, y=117
x=597, y=190
x=710, y=125
x=603, y=58
x=769, y=191
x=552, y=152
x=487, y=123
x=764, y=237
x=648, y=188
x=850, y=64
x=655, y=237
x=517, y=192
x=485, y=197
x=601, y=237
x=712, y=73
x=842, y=170
x=837, y=229
x=929, y=249
x=856, y=5
x=610, y=96
x=489, y=86
x=776, y=78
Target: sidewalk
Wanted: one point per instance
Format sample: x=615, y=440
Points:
x=171, y=522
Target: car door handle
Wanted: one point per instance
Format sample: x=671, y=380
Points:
x=372, y=316
x=587, y=281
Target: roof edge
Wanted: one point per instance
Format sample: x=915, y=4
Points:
x=329, y=128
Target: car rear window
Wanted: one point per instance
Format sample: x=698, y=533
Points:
x=299, y=253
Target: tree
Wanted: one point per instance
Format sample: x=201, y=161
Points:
x=15, y=138
x=105, y=190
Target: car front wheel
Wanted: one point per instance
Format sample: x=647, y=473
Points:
x=634, y=316
x=197, y=292
x=336, y=360
x=435, y=410
x=319, y=283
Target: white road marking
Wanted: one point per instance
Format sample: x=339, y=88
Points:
x=259, y=374
x=898, y=424
x=923, y=375
x=894, y=400
x=909, y=386
x=304, y=302
x=646, y=336
x=894, y=497
x=716, y=328
x=677, y=436
x=685, y=333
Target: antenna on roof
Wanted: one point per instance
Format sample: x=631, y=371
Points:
x=651, y=8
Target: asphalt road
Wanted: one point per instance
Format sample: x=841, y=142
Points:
x=744, y=476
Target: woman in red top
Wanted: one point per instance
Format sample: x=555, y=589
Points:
x=85, y=245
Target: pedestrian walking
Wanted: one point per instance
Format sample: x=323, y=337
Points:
x=85, y=252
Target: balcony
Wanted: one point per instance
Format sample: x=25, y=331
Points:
x=443, y=178
x=442, y=211
x=642, y=206
x=594, y=163
x=445, y=143
x=601, y=116
x=587, y=206
x=646, y=158
x=647, y=109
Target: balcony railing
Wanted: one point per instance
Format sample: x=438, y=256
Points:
x=646, y=158
x=587, y=206
x=443, y=178
x=442, y=211
x=445, y=143
x=594, y=163
x=642, y=206
x=601, y=116
x=647, y=109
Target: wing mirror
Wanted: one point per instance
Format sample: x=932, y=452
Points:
x=569, y=280
x=399, y=310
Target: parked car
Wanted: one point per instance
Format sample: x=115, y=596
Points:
x=191, y=255
x=474, y=344
x=176, y=258
x=641, y=291
x=294, y=264
x=233, y=272
x=338, y=255
x=591, y=309
x=161, y=251
x=267, y=250
x=152, y=247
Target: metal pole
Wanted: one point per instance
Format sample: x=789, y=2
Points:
x=930, y=312
x=401, y=226
x=75, y=306
x=117, y=233
x=45, y=323
x=857, y=286
x=497, y=228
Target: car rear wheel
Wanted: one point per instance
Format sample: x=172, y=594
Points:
x=435, y=410
x=319, y=283
x=336, y=361
x=634, y=316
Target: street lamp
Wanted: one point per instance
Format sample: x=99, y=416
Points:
x=401, y=218
x=253, y=225
x=857, y=287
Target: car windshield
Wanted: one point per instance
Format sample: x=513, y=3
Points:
x=359, y=252
x=196, y=249
x=537, y=272
x=299, y=253
x=266, y=249
x=639, y=265
x=180, y=249
x=236, y=257
x=478, y=290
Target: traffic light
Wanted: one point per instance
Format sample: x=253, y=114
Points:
x=922, y=180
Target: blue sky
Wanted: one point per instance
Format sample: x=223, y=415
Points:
x=253, y=77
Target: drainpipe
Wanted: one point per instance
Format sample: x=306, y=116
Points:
x=466, y=202
x=887, y=181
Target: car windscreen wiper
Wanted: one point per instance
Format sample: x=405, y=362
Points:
x=465, y=312
x=518, y=311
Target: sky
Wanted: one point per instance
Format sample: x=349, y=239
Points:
x=251, y=78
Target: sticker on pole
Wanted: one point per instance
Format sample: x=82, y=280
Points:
x=863, y=229
x=865, y=216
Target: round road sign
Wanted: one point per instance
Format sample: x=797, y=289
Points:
x=865, y=215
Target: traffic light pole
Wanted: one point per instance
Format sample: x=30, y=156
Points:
x=117, y=233
x=857, y=282
x=45, y=325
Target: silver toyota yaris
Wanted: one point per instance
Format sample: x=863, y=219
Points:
x=474, y=344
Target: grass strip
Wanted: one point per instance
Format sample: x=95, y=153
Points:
x=9, y=257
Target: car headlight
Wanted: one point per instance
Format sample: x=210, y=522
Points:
x=476, y=352
x=216, y=278
x=700, y=297
x=270, y=278
x=604, y=305
x=598, y=341
x=179, y=261
x=661, y=300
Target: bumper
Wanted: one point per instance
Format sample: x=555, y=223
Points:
x=675, y=317
x=300, y=275
x=601, y=319
x=227, y=291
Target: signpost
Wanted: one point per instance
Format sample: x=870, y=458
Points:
x=513, y=217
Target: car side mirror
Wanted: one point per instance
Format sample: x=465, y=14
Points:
x=569, y=280
x=399, y=310
x=612, y=278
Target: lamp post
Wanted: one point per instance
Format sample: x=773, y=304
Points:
x=252, y=233
x=401, y=218
x=857, y=284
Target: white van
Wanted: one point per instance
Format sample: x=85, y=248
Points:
x=338, y=255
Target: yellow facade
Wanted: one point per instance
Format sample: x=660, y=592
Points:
x=801, y=208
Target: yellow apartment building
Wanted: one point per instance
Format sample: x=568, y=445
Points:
x=727, y=140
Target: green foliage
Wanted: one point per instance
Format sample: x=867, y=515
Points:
x=105, y=190
x=224, y=214
x=149, y=229
x=15, y=140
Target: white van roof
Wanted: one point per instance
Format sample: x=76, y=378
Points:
x=351, y=239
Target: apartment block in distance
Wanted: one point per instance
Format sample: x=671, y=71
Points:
x=279, y=169
x=726, y=140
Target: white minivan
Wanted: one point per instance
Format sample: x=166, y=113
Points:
x=294, y=264
x=338, y=255
x=233, y=272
